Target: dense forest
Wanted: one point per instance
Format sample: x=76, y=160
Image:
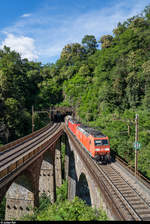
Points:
x=106, y=81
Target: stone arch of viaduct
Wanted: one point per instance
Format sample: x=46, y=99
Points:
x=23, y=192
x=42, y=176
x=80, y=182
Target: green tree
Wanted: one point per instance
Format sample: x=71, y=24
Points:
x=90, y=44
x=106, y=41
x=119, y=30
x=72, y=53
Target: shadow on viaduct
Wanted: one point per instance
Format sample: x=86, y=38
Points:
x=44, y=175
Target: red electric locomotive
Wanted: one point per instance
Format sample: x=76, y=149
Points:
x=72, y=124
x=93, y=141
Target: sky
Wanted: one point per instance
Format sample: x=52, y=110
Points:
x=39, y=29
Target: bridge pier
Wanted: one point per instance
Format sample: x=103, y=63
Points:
x=47, y=180
x=66, y=165
x=19, y=199
x=58, y=164
x=72, y=177
x=22, y=196
x=82, y=184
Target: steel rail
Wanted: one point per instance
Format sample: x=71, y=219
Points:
x=139, y=175
x=124, y=211
x=123, y=199
x=16, y=156
x=40, y=150
x=23, y=139
x=119, y=183
x=88, y=162
x=22, y=153
x=10, y=155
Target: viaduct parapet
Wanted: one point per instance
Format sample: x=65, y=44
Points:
x=43, y=171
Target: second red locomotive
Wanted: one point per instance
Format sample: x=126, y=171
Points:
x=93, y=141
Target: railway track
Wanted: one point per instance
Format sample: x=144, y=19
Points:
x=132, y=204
x=18, y=156
x=124, y=201
x=131, y=170
x=12, y=154
x=22, y=140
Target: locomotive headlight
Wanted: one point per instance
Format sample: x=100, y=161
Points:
x=106, y=149
x=97, y=150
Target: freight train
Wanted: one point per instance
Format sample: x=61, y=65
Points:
x=93, y=141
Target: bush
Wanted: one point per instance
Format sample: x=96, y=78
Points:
x=64, y=210
x=2, y=209
x=76, y=210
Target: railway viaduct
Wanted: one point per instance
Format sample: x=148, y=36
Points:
x=32, y=165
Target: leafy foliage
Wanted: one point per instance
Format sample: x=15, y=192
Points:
x=2, y=209
x=106, y=87
x=112, y=85
x=65, y=210
x=75, y=210
x=99, y=84
x=90, y=44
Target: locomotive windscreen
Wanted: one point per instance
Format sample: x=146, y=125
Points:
x=100, y=142
x=74, y=121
